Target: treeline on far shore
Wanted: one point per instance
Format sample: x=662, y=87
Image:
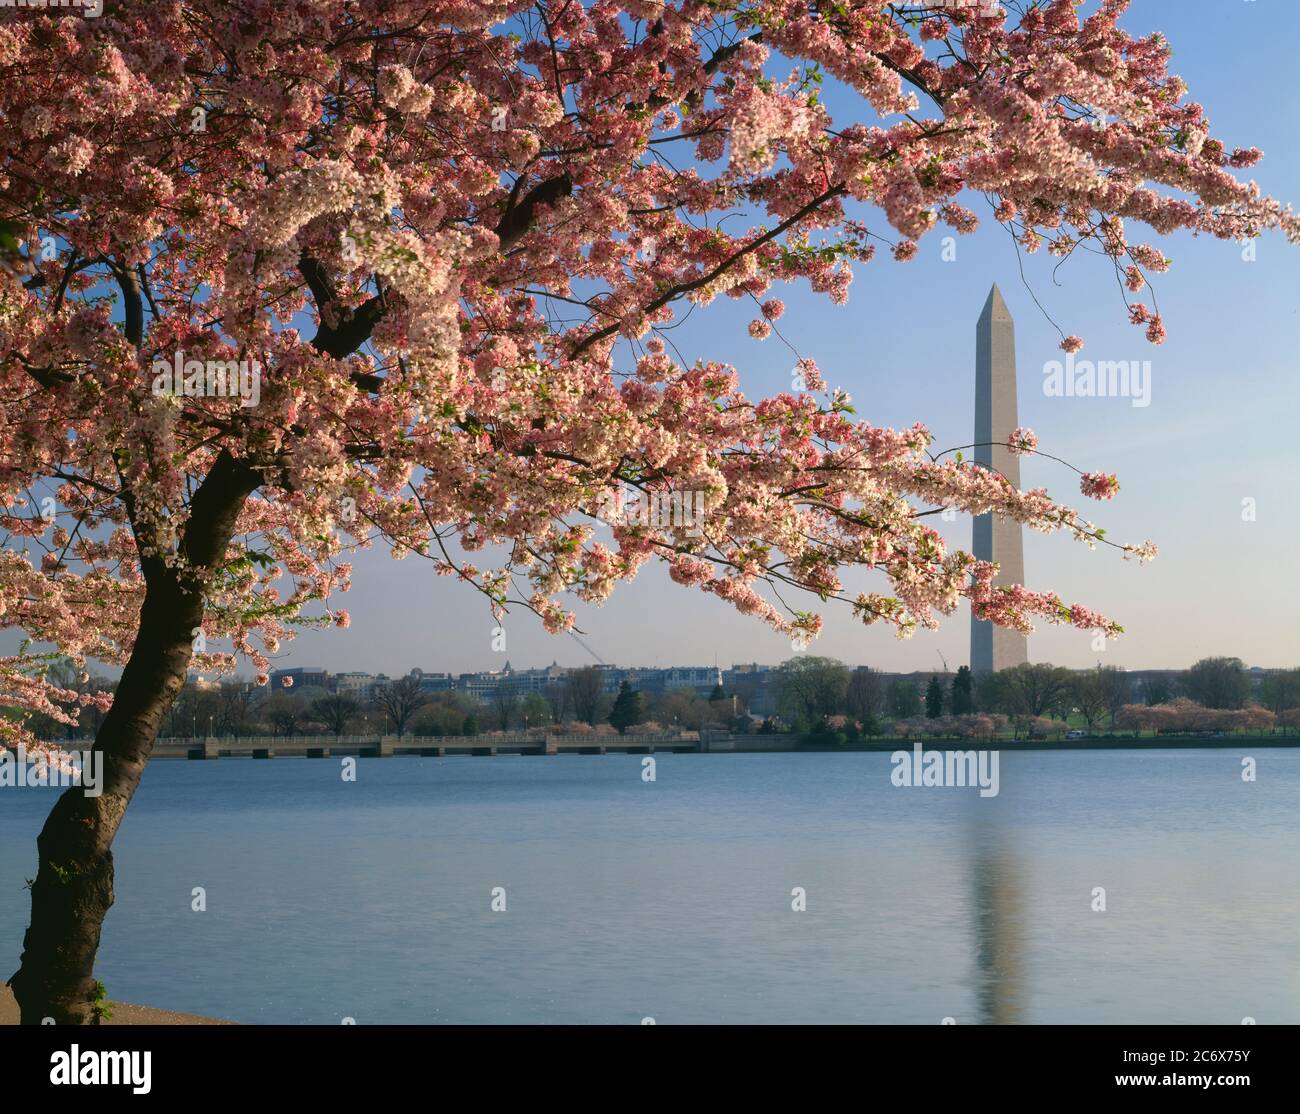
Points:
x=820, y=699
x=828, y=702
x=577, y=704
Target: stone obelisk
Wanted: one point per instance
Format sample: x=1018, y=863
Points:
x=997, y=539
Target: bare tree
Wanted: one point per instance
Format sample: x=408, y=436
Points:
x=865, y=694
x=283, y=712
x=586, y=693
x=557, y=697
x=1218, y=683
x=1157, y=690
x=400, y=699
x=1033, y=690
x=236, y=698
x=1280, y=690
x=335, y=710
x=506, y=706
x=1117, y=689
x=1089, y=695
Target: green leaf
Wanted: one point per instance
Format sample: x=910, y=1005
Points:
x=9, y=236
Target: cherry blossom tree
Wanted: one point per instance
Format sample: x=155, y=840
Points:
x=284, y=278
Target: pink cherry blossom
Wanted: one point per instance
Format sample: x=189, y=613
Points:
x=1099, y=485
x=1022, y=441
x=453, y=238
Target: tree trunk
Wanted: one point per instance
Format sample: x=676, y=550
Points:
x=74, y=883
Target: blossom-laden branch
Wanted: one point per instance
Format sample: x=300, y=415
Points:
x=381, y=205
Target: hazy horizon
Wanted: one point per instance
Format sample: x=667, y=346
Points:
x=516, y=667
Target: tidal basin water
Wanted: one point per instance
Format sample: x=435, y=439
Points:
x=673, y=899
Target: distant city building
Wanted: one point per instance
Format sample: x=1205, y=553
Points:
x=302, y=676
x=699, y=680
x=433, y=682
x=490, y=685
x=355, y=684
x=525, y=682
x=480, y=686
x=509, y=682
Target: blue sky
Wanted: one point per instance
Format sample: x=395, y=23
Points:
x=1219, y=429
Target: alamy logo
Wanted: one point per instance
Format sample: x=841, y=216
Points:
x=19, y=768
x=91, y=8
x=182, y=378
x=986, y=8
x=947, y=768
x=91, y=1068
x=1129, y=379
x=655, y=510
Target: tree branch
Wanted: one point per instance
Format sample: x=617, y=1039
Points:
x=129, y=281
x=517, y=219
x=347, y=336
x=681, y=288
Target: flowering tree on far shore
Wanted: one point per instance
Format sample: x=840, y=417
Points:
x=1184, y=715
x=282, y=278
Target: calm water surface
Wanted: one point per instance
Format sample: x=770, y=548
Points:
x=672, y=900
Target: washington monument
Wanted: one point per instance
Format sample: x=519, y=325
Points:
x=998, y=540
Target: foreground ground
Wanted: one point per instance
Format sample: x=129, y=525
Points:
x=122, y=1014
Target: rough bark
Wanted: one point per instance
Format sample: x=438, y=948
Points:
x=73, y=889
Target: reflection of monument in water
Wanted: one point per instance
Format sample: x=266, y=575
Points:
x=998, y=932
x=996, y=539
